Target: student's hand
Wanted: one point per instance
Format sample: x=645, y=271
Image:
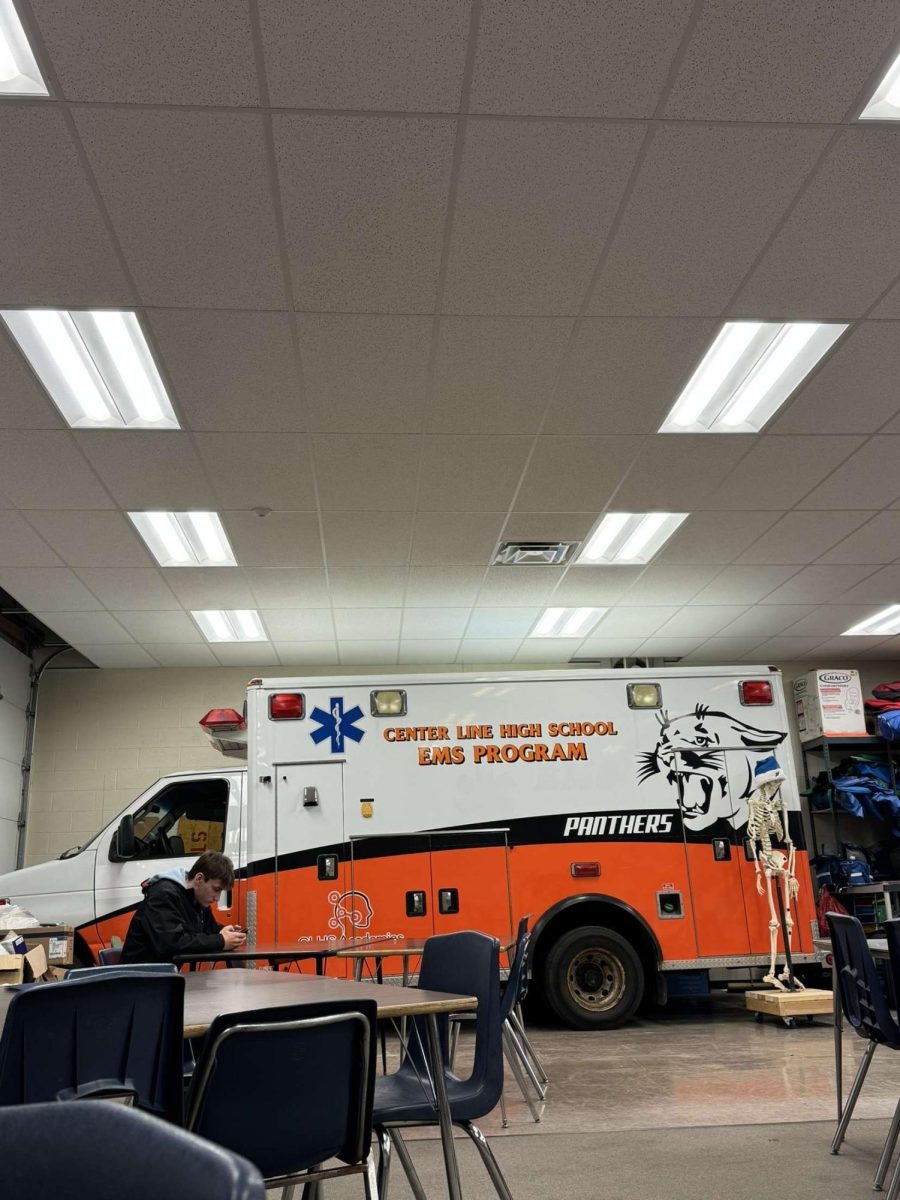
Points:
x=233, y=937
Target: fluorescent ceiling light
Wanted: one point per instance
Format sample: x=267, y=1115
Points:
x=19, y=73
x=185, y=539
x=566, y=622
x=747, y=374
x=630, y=537
x=885, y=103
x=884, y=623
x=97, y=367
x=230, y=625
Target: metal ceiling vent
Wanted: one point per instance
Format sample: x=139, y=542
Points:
x=534, y=554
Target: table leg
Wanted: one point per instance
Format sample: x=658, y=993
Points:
x=443, y=1107
x=838, y=1038
x=358, y=969
x=379, y=978
x=320, y=966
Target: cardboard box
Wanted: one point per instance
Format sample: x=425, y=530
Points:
x=23, y=968
x=829, y=703
x=200, y=836
x=58, y=942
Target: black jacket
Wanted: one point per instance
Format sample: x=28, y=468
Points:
x=168, y=922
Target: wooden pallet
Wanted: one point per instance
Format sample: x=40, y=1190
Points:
x=789, y=1005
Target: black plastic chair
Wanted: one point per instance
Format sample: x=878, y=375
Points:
x=304, y=1082
x=110, y=956
x=111, y=1035
x=468, y=964
x=72, y=1151
x=104, y=971
x=516, y=1046
x=865, y=1006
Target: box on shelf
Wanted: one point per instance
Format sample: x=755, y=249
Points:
x=58, y=942
x=23, y=968
x=829, y=704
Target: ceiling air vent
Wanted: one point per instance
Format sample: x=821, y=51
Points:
x=534, y=554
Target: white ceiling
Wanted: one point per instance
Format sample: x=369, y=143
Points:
x=425, y=274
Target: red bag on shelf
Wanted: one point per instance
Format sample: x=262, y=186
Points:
x=827, y=903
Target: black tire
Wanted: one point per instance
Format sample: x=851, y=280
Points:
x=593, y=978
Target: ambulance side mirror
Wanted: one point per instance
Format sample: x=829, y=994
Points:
x=123, y=846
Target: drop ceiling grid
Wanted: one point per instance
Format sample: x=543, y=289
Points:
x=320, y=433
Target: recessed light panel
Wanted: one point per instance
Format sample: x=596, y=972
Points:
x=883, y=624
x=567, y=622
x=230, y=625
x=747, y=374
x=96, y=365
x=19, y=72
x=185, y=539
x=629, y=537
x=885, y=103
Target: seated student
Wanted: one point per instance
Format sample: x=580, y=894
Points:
x=174, y=917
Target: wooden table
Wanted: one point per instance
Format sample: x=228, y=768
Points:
x=276, y=953
x=405, y=948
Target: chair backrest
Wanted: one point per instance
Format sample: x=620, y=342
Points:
x=105, y=1150
x=862, y=995
x=516, y=981
x=111, y=956
x=123, y=1027
x=304, y=1076
x=121, y=969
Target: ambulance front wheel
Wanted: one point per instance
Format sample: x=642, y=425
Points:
x=593, y=978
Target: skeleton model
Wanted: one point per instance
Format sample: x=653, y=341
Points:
x=767, y=820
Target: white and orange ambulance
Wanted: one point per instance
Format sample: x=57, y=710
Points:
x=610, y=804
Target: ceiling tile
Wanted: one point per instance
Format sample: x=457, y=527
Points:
x=512, y=587
x=817, y=585
x=181, y=186
x=231, y=371
x=312, y=625
x=56, y=248
x=777, y=472
x=576, y=58
x=668, y=647
x=96, y=628
x=714, y=537
x=364, y=373
x=167, y=52
x=876, y=542
x=20, y=546
x=307, y=654
x=115, y=657
x=361, y=624
x=245, y=654
x=337, y=54
x=367, y=587
x=853, y=193
x=24, y=403
x=378, y=469
x=701, y=210
x=620, y=376
x=535, y=202
x=889, y=306
x=628, y=622
x=437, y=587
x=181, y=654
x=865, y=365
x=497, y=650
x=434, y=623
x=878, y=588
x=281, y=539
x=445, y=539
x=676, y=472
x=437, y=652
x=48, y=589
x=209, y=587
x=855, y=648
x=259, y=470
x=765, y=620
x=548, y=527
x=607, y=647
x=364, y=654
x=724, y=649
x=90, y=539
x=863, y=481
x=501, y=622
x=495, y=374
x=383, y=178
x=574, y=474
x=829, y=620
x=742, y=585
x=784, y=649
x=43, y=469
x=809, y=64
x=553, y=651
x=800, y=537
x=286, y=588
x=128, y=588
x=150, y=470
x=355, y=539
x=595, y=585
x=700, y=620
x=470, y=474
x=169, y=627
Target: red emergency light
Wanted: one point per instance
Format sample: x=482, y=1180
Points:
x=223, y=720
x=585, y=870
x=756, y=691
x=285, y=706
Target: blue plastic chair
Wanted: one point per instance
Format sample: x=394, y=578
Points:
x=468, y=964
x=304, y=1078
x=865, y=1006
x=70, y=1151
x=110, y=1035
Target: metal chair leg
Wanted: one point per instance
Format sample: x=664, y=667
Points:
x=487, y=1157
x=407, y=1163
x=887, y=1153
x=455, y=1027
x=894, y=1189
x=370, y=1180
x=518, y=1024
x=503, y=1108
x=512, y=1058
x=384, y=1162
x=526, y=1062
x=853, y=1097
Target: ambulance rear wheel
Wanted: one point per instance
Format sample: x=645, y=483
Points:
x=593, y=978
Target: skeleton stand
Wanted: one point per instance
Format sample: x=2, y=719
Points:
x=765, y=821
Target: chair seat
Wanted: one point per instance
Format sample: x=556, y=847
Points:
x=404, y=1097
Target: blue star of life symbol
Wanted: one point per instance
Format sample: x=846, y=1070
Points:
x=337, y=724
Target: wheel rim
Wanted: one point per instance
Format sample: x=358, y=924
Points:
x=596, y=979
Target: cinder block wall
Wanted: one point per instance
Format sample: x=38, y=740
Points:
x=103, y=736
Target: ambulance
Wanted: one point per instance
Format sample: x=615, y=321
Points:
x=608, y=805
